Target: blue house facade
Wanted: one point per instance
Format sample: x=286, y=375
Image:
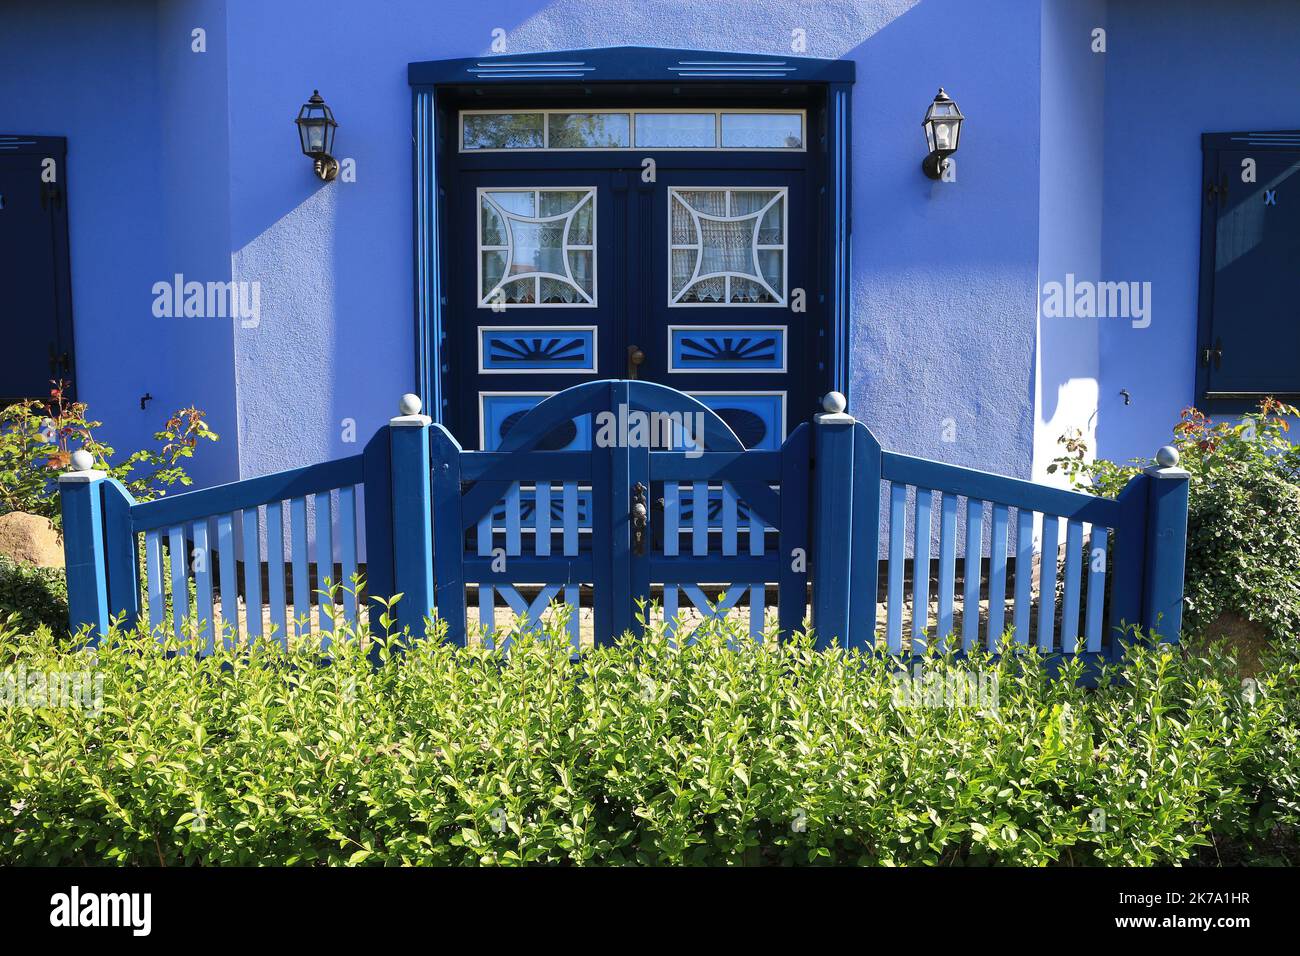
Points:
x=724, y=199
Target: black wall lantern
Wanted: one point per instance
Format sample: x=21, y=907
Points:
x=316, y=128
x=942, y=125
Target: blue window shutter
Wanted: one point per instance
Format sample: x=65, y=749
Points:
x=1249, y=333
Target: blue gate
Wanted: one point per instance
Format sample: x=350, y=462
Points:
x=666, y=503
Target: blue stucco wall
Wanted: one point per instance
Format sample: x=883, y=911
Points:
x=184, y=162
x=146, y=184
x=1214, y=67
x=203, y=177
x=944, y=278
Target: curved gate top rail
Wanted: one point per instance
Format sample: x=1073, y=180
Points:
x=668, y=505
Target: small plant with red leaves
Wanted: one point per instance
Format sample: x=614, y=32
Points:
x=37, y=439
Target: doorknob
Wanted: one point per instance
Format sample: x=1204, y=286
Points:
x=634, y=359
x=639, y=518
x=1214, y=354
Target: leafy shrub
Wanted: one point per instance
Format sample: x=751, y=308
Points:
x=1243, y=521
x=37, y=596
x=37, y=439
x=724, y=751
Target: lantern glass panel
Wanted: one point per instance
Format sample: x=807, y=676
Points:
x=316, y=136
x=945, y=135
x=328, y=129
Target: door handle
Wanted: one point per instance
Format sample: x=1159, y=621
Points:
x=1214, y=354
x=634, y=359
x=639, y=517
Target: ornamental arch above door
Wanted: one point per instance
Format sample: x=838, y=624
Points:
x=673, y=216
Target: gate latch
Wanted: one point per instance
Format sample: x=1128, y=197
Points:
x=639, y=518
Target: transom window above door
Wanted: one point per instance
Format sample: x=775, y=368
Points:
x=522, y=130
x=728, y=246
x=536, y=247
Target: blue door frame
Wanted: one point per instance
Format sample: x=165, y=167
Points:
x=447, y=345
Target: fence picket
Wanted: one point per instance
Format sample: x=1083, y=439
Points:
x=514, y=535
x=897, y=558
x=325, y=581
x=670, y=611
x=275, y=572
x=947, y=566
x=970, y=605
x=1098, y=561
x=728, y=520
x=1070, y=601
x=672, y=512
x=229, y=584
x=921, y=570
x=997, y=576
x=252, y=575
x=486, y=593
x=575, y=616
x=300, y=559
x=1024, y=574
x=154, y=573
x=571, y=518
x=487, y=619
x=757, y=592
x=700, y=518
x=178, y=555
x=202, y=566
x=348, y=551
x=542, y=519
x=1047, y=581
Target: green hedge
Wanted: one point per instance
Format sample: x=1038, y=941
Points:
x=37, y=596
x=641, y=753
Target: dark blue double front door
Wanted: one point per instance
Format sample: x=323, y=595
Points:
x=685, y=268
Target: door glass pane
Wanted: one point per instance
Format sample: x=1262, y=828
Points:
x=519, y=292
x=580, y=268
x=676, y=130
x=762, y=131
x=503, y=131
x=545, y=241
x=711, y=291
x=557, y=202
x=494, y=268
x=733, y=241
x=493, y=226
x=590, y=130
x=520, y=202
x=536, y=247
x=582, y=225
x=728, y=245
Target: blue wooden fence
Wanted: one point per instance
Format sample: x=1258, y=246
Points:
x=665, y=515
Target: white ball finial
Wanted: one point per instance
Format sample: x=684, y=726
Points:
x=1167, y=456
x=410, y=404
x=834, y=403
x=82, y=460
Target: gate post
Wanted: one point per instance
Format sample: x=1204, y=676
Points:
x=412, y=528
x=84, y=555
x=1166, y=545
x=832, y=520
x=449, y=539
